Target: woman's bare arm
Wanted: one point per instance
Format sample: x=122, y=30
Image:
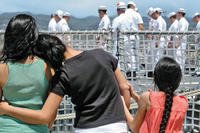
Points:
x=44, y=116
x=124, y=86
x=135, y=122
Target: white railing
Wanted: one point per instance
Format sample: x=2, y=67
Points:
x=138, y=54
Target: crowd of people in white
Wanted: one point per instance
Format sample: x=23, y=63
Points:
x=129, y=19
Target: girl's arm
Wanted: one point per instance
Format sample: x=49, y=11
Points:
x=44, y=116
x=124, y=86
x=135, y=122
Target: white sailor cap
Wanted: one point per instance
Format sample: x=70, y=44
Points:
x=102, y=8
x=157, y=9
x=131, y=3
x=196, y=14
x=59, y=13
x=171, y=14
x=150, y=11
x=182, y=10
x=67, y=14
x=121, y=5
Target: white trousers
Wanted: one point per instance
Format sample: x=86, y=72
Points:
x=180, y=55
x=118, y=127
x=155, y=53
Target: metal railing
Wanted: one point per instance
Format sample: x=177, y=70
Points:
x=138, y=52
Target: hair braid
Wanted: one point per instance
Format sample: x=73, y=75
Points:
x=168, y=105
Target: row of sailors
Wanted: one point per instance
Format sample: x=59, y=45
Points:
x=127, y=19
x=130, y=20
x=59, y=22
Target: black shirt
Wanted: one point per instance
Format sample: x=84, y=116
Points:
x=89, y=80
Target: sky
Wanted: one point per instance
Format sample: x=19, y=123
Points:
x=83, y=8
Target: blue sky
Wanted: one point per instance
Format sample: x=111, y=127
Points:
x=83, y=8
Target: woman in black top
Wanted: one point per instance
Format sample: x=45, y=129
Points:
x=94, y=83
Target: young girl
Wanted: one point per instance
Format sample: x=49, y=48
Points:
x=160, y=111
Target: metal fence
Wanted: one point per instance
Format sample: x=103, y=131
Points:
x=138, y=52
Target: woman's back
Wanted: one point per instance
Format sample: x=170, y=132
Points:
x=154, y=113
x=26, y=87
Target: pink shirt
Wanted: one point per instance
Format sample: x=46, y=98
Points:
x=154, y=115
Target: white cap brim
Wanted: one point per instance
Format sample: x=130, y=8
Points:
x=102, y=8
x=196, y=14
x=182, y=10
x=131, y=3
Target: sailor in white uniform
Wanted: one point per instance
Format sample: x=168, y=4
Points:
x=196, y=19
x=134, y=16
x=160, y=26
x=63, y=27
x=150, y=44
x=55, y=18
x=52, y=24
x=136, y=25
x=183, y=26
x=151, y=20
x=156, y=42
x=63, y=23
x=123, y=23
x=173, y=21
x=104, y=24
x=173, y=39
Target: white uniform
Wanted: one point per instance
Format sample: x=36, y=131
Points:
x=152, y=24
x=104, y=24
x=52, y=25
x=63, y=26
x=197, y=36
x=155, y=53
x=174, y=26
x=151, y=50
x=198, y=26
x=180, y=57
x=160, y=26
x=123, y=23
x=172, y=39
x=135, y=19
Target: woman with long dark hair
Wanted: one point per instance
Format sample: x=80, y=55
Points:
x=93, y=81
x=24, y=78
x=161, y=111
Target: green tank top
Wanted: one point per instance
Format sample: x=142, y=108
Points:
x=26, y=87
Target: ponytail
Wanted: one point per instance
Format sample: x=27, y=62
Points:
x=168, y=105
x=51, y=50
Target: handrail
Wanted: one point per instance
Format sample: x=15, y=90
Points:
x=124, y=32
x=132, y=106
